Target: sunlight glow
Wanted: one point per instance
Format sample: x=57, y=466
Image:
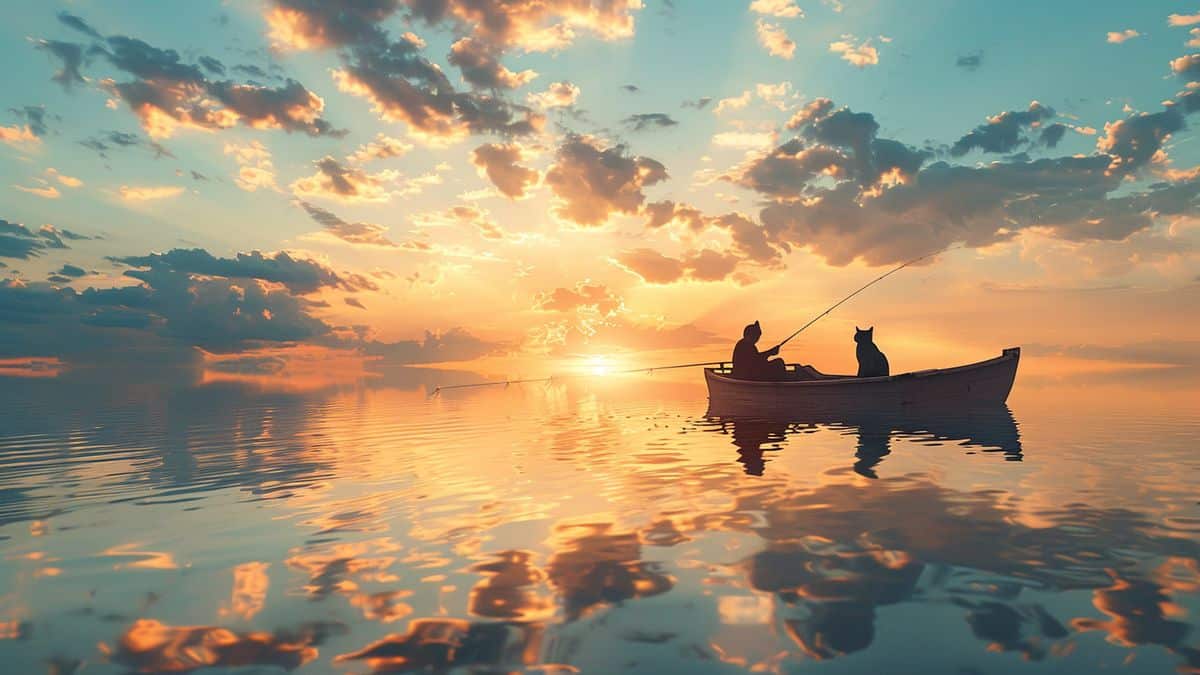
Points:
x=599, y=365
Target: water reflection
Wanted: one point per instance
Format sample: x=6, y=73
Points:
x=370, y=529
x=988, y=429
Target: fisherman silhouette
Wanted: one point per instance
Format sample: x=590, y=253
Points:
x=751, y=364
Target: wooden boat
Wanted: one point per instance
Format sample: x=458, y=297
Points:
x=985, y=382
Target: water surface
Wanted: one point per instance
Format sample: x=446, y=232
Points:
x=595, y=527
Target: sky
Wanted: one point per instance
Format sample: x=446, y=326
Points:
x=259, y=186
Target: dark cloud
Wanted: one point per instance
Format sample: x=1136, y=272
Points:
x=353, y=302
x=699, y=104
x=406, y=87
x=75, y=23
x=35, y=117
x=1003, y=132
x=70, y=55
x=305, y=24
x=18, y=241
x=166, y=92
x=297, y=274
x=107, y=141
x=845, y=194
x=480, y=66
x=499, y=162
x=68, y=270
x=631, y=88
x=347, y=183
x=593, y=181
x=666, y=212
x=1052, y=134
x=355, y=233
x=970, y=61
x=643, y=121
x=211, y=65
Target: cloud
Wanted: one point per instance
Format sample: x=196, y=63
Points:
x=464, y=215
x=733, y=103
x=1002, y=133
x=44, y=191
x=860, y=55
x=592, y=182
x=1117, y=37
x=436, y=347
x=970, y=61
x=699, y=104
x=1183, y=19
x=76, y=23
x=481, y=68
x=255, y=168
x=498, y=162
x=19, y=136
x=1187, y=67
x=668, y=212
x=353, y=302
x=532, y=25
x=18, y=241
x=63, y=179
x=557, y=95
x=643, y=121
x=112, y=140
x=368, y=234
x=743, y=139
x=586, y=296
x=72, y=271
x=383, y=147
x=783, y=9
x=334, y=180
x=775, y=39
x=631, y=88
x=71, y=57
x=299, y=275
x=655, y=268
x=149, y=193
x=35, y=118
x=845, y=194
x=167, y=93
x=304, y=24
x=405, y=87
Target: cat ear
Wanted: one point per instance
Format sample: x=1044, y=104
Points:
x=871, y=329
x=857, y=329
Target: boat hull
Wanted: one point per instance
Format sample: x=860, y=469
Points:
x=983, y=383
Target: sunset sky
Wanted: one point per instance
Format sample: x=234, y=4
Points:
x=546, y=181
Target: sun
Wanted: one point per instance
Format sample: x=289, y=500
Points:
x=599, y=365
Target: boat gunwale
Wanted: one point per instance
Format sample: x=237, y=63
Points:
x=1009, y=354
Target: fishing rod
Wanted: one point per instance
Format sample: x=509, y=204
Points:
x=651, y=369
x=551, y=378
x=860, y=290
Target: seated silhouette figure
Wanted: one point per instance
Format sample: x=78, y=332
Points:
x=751, y=364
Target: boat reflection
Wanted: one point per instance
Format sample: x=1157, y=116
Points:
x=988, y=428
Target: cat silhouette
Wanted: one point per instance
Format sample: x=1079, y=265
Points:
x=871, y=361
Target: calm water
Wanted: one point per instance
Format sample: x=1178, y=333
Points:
x=608, y=527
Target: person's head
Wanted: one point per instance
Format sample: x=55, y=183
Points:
x=752, y=332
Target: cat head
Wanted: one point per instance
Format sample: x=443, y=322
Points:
x=861, y=335
x=752, y=331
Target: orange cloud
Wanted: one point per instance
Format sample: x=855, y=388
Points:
x=860, y=55
x=775, y=39
x=148, y=193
